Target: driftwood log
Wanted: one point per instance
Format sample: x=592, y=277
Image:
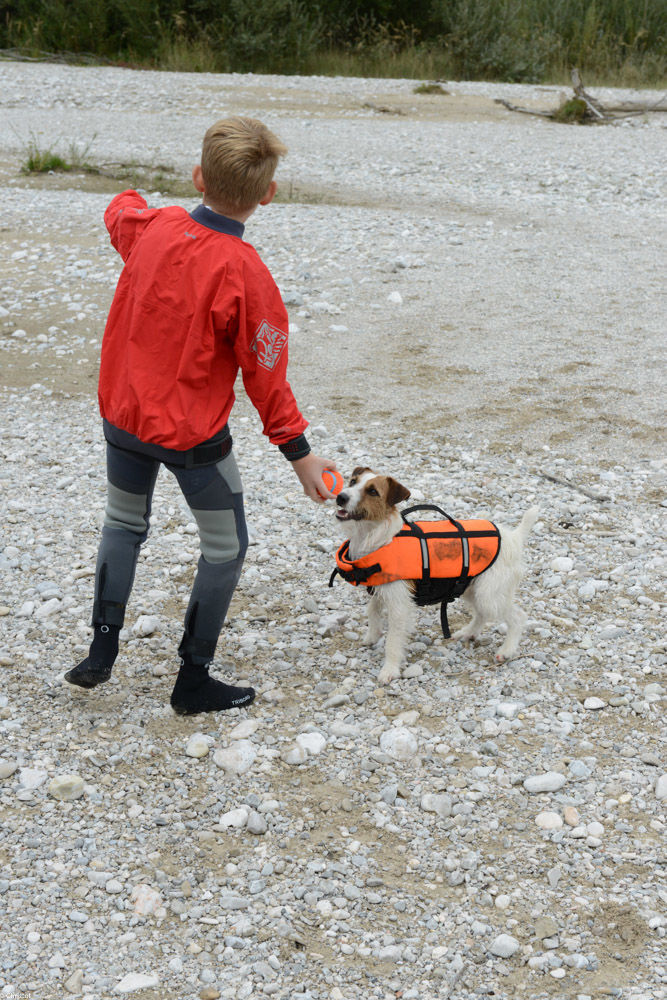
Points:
x=583, y=108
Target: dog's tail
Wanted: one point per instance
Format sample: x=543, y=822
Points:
x=527, y=522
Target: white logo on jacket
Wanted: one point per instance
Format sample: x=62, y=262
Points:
x=268, y=344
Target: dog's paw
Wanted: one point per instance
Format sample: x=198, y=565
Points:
x=371, y=636
x=389, y=674
x=463, y=634
x=505, y=653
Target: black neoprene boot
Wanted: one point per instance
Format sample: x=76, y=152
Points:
x=196, y=691
x=96, y=668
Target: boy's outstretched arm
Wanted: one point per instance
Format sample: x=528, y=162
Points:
x=309, y=469
x=126, y=218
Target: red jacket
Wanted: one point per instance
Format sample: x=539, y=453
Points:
x=193, y=305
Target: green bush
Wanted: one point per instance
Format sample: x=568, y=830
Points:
x=271, y=35
x=529, y=40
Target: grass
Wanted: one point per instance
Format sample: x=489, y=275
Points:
x=571, y=112
x=47, y=161
x=605, y=66
x=44, y=162
x=141, y=176
x=429, y=88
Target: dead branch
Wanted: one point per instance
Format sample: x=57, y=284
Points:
x=382, y=109
x=600, y=497
x=583, y=108
x=523, y=111
x=579, y=92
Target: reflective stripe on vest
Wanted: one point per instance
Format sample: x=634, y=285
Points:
x=425, y=550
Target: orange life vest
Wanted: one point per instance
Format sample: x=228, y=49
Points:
x=441, y=557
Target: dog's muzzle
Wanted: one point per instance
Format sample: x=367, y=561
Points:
x=341, y=513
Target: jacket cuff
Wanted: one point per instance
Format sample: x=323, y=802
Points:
x=296, y=448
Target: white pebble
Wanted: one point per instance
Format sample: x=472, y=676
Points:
x=313, y=743
x=236, y=759
x=32, y=777
x=562, y=564
x=244, y=729
x=296, y=754
x=437, y=803
x=550, y=781
x=549, y=820
x=145, y=625
x=399, y=743
x=198, y=745
x=145, y=899
x=75, y=982
x=66, y=787
x=135, y=981
x=48, y=608
x=509, y=709
x=504, y=946
x=236, y=818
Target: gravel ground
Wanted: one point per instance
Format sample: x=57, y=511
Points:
x=477, y=308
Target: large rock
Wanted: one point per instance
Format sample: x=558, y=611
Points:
x=66, y=787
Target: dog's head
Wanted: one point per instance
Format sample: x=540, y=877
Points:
x=369, y=497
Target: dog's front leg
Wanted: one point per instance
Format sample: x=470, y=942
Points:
x=374, y=629
x=402, y=615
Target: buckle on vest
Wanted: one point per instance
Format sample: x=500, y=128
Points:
x=355, y=574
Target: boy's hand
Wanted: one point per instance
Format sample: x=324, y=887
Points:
x=309, y=470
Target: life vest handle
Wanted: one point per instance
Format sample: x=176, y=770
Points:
x=426, y=506
x=430, y=506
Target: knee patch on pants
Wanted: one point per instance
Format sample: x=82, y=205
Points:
x=218, y=535
x=127, y=511
x=213, y=494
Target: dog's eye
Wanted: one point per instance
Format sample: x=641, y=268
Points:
x=372, y=492
x=353, y=481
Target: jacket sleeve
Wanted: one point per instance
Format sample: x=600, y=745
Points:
x=261, y=352
x=126, y=219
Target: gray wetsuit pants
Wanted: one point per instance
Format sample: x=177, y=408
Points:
x=214, y=495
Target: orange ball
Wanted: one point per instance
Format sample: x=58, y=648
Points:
x=333, y=481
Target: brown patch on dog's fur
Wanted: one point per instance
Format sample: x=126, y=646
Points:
x=357, y=472
x=380, y=496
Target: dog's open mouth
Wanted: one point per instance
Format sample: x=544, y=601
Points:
x=344, y=515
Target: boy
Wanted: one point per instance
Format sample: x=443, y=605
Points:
x=193, y=305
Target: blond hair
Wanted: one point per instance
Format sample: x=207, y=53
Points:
x=238, y=161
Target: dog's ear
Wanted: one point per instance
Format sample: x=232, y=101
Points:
x=396, y=492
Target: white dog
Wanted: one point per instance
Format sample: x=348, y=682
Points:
x=368, y=514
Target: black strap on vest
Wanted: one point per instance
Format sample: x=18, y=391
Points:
x=456, y=587
x=356, y=574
